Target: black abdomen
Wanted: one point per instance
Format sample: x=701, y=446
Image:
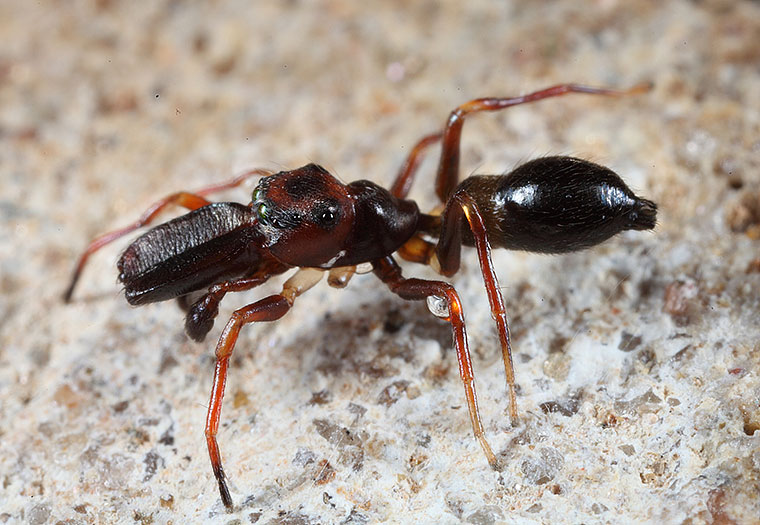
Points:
x=189, y=253
x=556, y=205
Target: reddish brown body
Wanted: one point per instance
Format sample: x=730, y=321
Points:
x=307, y=219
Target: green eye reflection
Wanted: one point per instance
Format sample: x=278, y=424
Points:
x=256, y=194
x=262, y=212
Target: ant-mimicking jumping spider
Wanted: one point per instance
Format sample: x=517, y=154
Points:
x=307, y=219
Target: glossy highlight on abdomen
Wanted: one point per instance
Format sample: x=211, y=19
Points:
x=557, y=205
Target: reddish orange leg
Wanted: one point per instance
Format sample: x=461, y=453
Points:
x=416, y=249
x=268, y=309
x=234, y=182
x=201, y=314
x=417, y=289
x=448, y=167
x=191, y=201
x=421, y=251
x=448, y=252
x=405, y=177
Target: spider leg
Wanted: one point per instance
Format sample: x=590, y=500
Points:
x=418, y=289
x=201, y=314
x=448, y=166
x=405, y=177
x=268, y=309
x=461, y=208
x=191, y=201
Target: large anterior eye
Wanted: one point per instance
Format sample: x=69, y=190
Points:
x=326, y=214
x=263, y=212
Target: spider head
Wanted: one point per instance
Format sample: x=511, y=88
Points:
x=305, y=214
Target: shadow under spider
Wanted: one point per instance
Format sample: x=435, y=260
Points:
x=367, y=339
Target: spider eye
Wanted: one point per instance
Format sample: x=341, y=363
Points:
x=268, y=218
x=263, y=212
x=256, y=194
x=326, y=215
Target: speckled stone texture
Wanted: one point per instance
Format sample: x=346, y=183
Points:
x=638, y=361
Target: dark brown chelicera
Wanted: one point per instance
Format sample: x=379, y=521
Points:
x=307, y=219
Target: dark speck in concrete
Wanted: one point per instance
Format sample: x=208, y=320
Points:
x=629, y=342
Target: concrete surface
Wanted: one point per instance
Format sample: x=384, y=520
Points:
x=637, y=361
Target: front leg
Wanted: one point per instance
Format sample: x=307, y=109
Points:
x=190, y=201
x=268, y=309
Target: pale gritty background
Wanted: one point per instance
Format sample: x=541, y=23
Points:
x=637, y=361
